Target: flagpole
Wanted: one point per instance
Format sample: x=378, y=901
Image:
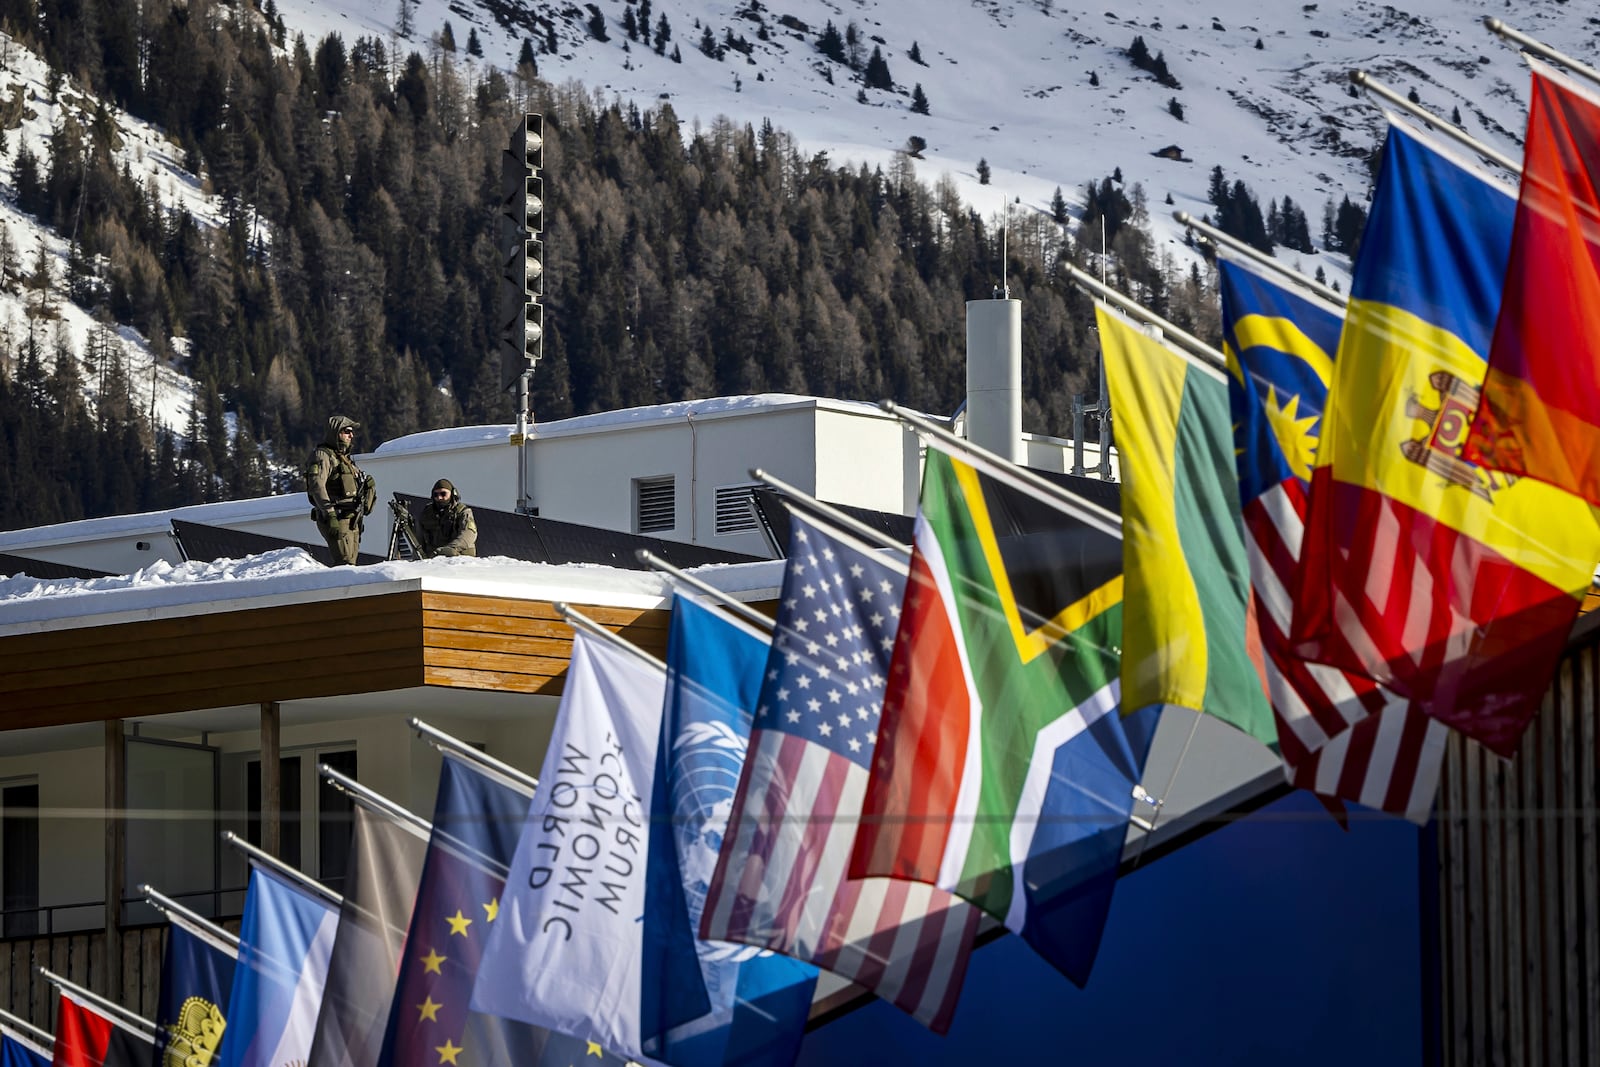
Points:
x=273, y=863
x=175, y=911
x=1449, y=129
x=579, y=621
x=373, y=799
x=1086, y=511
x=129, y=1019
x=738, y=607
x=807, y=502
x=444, y=742
x=1220, y=240
x=1495, y=26
x=1194, y=348
x=34, y=1033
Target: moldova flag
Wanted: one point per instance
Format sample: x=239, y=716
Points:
x=1452, y=585
x=1540, y=414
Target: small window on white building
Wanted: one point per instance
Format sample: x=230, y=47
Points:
x=736, y=509
x=655, y=504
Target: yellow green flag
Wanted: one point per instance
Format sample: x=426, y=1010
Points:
x=1188, y=633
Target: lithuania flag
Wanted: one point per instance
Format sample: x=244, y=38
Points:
x=1188, y=635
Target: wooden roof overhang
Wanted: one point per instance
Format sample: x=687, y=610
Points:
x=316, y=645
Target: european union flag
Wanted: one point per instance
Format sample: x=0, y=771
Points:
x=477, y=819
x=196, y=981
x=759, y=1001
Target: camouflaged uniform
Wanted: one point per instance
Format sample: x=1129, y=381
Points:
x=447, y=529
x=341, y=494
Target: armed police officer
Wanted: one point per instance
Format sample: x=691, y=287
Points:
x=342, y=494
x=447, y=527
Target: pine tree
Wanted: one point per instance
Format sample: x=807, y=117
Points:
x=1174, y=108
x=830, y=43
x=597, y=25
x=919, y=100
x=983, y=172
x=447, y=39
x=629, y=25
x=708, y=44
x=663, y=35
x=474, y=48
x=915, y=55
x=877, y=73
x=1058, y=208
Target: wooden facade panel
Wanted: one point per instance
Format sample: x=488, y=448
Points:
x=295, y=652
x=211, y=626
x=502, y=681
x=175, y=668
x=505, y=607
x=70, y=704
x=1519, y=855
x=498, y=643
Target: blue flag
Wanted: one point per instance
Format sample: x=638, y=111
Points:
x=759, y=1000
x=196, y=980
x=285, y=939
x=16, y=1052
x=476, y=821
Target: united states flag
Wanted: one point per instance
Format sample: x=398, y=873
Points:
x=780, y=879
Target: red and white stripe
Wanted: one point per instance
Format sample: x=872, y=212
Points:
x=1401, y=596
x=906, y=942
x=1340, y=734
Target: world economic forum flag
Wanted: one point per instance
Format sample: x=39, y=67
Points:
x=759, y=1000
x=567, y=949
x=285, y=941
x=196, y=980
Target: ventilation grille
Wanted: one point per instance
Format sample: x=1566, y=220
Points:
x=736, y=510
x=655, y=504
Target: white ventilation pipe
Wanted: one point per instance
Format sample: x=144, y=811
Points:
x=994, y=376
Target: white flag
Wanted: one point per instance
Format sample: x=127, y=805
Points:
x=565, y=951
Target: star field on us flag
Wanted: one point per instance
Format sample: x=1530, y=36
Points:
x=826, y=685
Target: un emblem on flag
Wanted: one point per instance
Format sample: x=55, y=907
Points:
x=708, y=757
x=1439, y=448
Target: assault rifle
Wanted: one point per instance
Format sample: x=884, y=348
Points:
x=405, y=524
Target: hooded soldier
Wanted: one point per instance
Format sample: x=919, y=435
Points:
x=447, y=527
x=341, y=493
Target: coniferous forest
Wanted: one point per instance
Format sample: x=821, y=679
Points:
x=356, y=269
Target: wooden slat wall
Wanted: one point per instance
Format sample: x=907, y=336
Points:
x=80, y=957
x=1519, y=885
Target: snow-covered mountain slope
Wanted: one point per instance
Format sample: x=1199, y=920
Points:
x=158, y=382
x=1263, y=88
